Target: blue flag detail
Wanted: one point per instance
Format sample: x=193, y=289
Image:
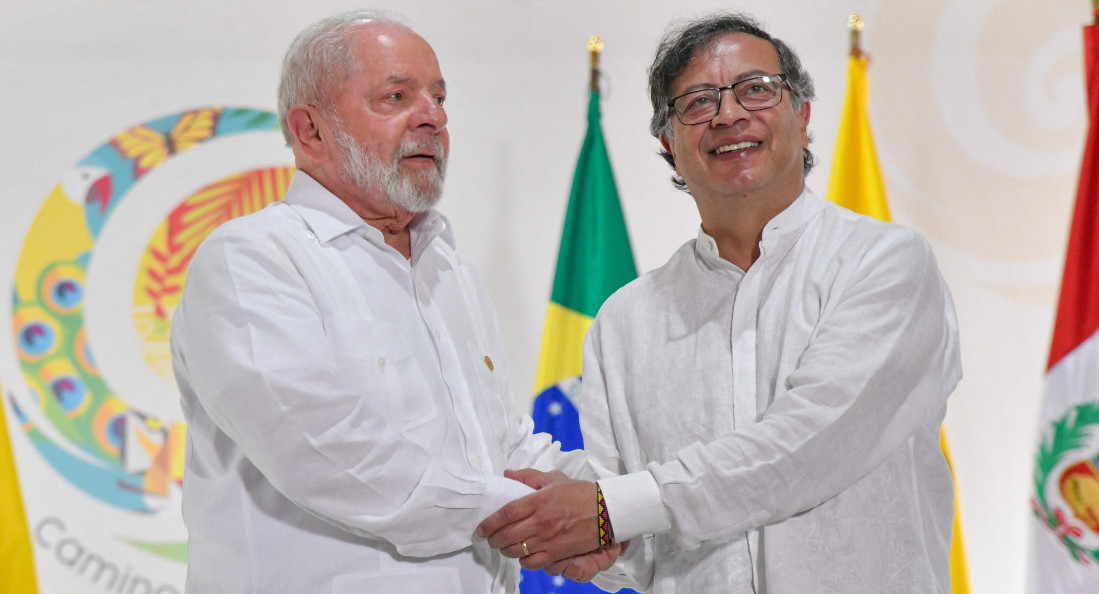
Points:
x=537, y=582
x=555, y=414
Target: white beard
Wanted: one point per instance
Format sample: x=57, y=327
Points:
x=416, y=192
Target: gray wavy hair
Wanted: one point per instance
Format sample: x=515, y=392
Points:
x=319, y=59
x=683, y=42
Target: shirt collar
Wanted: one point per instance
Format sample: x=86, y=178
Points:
x=784, y=225
x=329, y=217
x=794, y=217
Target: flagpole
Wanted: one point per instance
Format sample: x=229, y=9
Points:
x=594, y=261
x=595, y=46
x=854, y=25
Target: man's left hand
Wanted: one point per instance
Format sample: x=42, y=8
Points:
x=582, y=568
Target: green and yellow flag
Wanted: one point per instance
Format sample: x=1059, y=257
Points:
x=856, y=183
x=594, y=261
x=17, y=561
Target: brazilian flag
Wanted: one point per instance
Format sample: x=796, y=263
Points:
x=594, y=261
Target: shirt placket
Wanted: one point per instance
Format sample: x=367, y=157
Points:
x=743, y=338
x=450, y=362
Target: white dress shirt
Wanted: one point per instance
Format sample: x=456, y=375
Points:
x=781, y=424
x=348, y=412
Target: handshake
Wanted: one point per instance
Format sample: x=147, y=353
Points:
x=557, y=528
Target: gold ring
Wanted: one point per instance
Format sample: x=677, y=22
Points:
x=526, y=551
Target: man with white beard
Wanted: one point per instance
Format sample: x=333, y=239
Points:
x=341, y=369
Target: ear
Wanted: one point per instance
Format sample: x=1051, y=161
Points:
x=664, y=142
x=305, y=124
x=803, y=115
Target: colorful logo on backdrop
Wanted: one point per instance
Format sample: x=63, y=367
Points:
x=82, y=426
x=1066, y=482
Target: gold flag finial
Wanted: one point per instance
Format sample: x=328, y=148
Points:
x=595, y=46
x=855, y=25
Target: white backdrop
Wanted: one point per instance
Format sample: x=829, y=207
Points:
x=978, y=114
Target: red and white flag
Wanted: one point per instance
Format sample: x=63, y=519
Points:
x=1065, y=548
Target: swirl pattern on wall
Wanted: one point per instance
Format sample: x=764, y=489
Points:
x=81, y=427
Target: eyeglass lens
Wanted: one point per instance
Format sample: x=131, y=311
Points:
x=753, y=94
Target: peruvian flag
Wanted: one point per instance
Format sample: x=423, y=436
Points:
x=1065, y=550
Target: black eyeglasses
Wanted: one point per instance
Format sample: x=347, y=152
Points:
x=753, y=94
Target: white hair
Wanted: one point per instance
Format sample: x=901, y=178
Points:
x=319, y=59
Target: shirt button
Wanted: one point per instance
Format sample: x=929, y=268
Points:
x=310, y=236
x=381, y=363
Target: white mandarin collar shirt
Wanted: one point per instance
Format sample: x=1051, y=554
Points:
x=777, y=429
x=348, y=411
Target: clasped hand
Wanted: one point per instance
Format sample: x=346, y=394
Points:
x=558, y=525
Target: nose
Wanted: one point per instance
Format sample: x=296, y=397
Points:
x=729, y=110
x=429, y=112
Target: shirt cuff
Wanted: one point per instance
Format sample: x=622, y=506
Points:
x=499, y=491
x=634, y=505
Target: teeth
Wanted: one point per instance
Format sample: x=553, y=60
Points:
x=735, y=147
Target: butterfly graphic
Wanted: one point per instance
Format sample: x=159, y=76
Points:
x=149, y=147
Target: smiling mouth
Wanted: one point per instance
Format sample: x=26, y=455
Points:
x=728, y=148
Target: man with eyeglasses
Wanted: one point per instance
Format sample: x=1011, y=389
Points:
x=766, y=406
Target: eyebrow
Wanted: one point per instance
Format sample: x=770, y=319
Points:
x=406, y=80
x=740, y=77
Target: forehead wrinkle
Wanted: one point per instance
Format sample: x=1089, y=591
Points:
x=411, y=81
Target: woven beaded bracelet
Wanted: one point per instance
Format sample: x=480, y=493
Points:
x=606, y=534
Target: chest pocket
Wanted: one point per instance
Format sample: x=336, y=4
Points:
x=375, y=361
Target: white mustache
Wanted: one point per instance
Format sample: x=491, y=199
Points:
x=431, y=146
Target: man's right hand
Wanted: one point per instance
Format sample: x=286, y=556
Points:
x=555, y=523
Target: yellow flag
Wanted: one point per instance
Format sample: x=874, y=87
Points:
x=17, y=574
x=856, y=183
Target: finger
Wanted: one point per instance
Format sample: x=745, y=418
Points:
x=534, y=479
x=536, y=561
x=514, y=551
x=579, y=571
x=505, y=516
x=594, y=561
x=558, y=567
x=597, y=561
x=608, y=556
x=528, y=476
x=576, y=575
x=604, y=559
x=513, y=535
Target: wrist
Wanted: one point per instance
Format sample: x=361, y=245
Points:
x=634, y=505
x=606, y=532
